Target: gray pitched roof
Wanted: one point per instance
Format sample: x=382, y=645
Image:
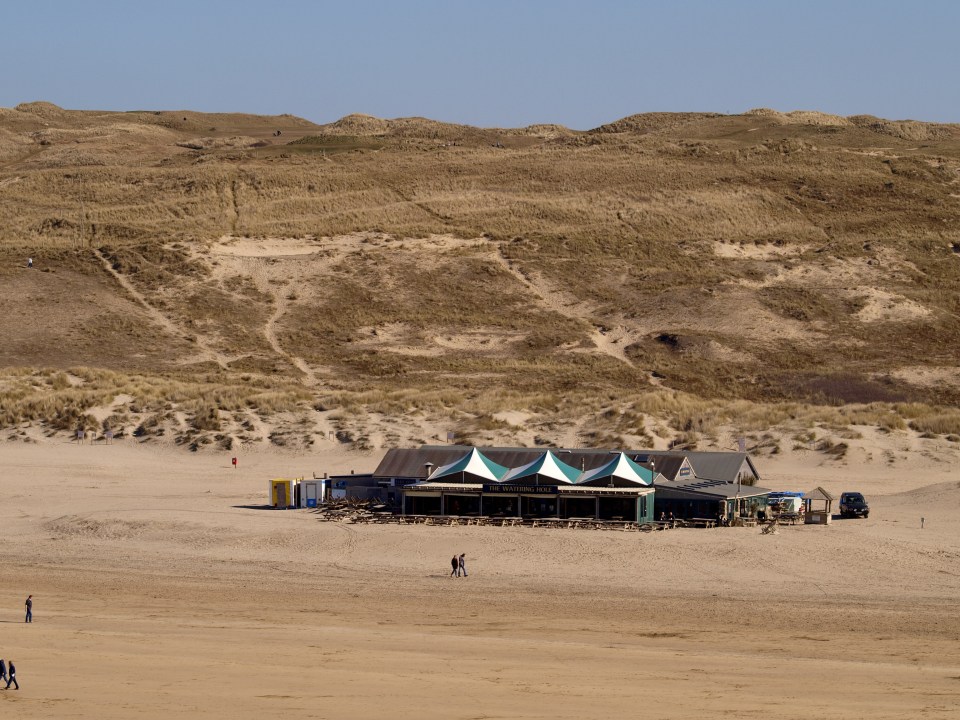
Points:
x=410, y=462
x=666, y=465
x=710, y=465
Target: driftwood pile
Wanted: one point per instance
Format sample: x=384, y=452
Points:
x=355, y=511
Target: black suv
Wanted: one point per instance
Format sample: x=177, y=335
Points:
x=852, y=504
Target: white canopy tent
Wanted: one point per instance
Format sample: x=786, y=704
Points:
x=620, y=471
x=474, y=464
x=546, y=469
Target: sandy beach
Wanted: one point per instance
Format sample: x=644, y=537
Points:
x=163, y=589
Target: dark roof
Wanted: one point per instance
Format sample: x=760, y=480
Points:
x=713, y=489
x=666, y=465
x=711, y=465
x=409, y=462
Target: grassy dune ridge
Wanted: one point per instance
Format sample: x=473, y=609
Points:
x=657, y=278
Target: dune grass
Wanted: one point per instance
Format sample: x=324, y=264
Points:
x=734, y=255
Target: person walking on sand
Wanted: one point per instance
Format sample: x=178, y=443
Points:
x=3, y=670
x=29, y=606
x=455, y=564
x=12, y=677
x=462, y=564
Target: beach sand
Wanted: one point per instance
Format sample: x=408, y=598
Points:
x=163, y=589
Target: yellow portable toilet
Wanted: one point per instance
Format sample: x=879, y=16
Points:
x=283, y=492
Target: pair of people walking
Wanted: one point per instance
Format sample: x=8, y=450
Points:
x=458, y=565
x=10, y=675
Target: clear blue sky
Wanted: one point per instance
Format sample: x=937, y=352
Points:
x=486, y=62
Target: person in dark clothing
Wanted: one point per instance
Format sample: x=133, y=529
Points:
x=462, y=564
x=3, y=670
x=455, y=564
x=13, y=677
x=29, y=605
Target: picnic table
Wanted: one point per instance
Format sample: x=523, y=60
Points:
x=462, y=519
x=702, y=522
x=618, y=524
x=547, y=522
x=651, y=525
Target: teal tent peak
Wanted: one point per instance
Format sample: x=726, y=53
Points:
x=546, y=466
x=620, y=468
x=473, y=463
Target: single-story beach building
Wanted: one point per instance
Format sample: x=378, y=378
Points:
x=474, y=484
x=566, y=483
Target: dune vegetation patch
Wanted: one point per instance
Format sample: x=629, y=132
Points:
x=234, y=274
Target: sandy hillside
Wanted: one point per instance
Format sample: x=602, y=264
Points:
x=163, y=589
x=771, y=257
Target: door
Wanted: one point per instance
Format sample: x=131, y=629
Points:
x=311, y=489
x=282, y=495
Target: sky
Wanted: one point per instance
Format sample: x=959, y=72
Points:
x=488, y=63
